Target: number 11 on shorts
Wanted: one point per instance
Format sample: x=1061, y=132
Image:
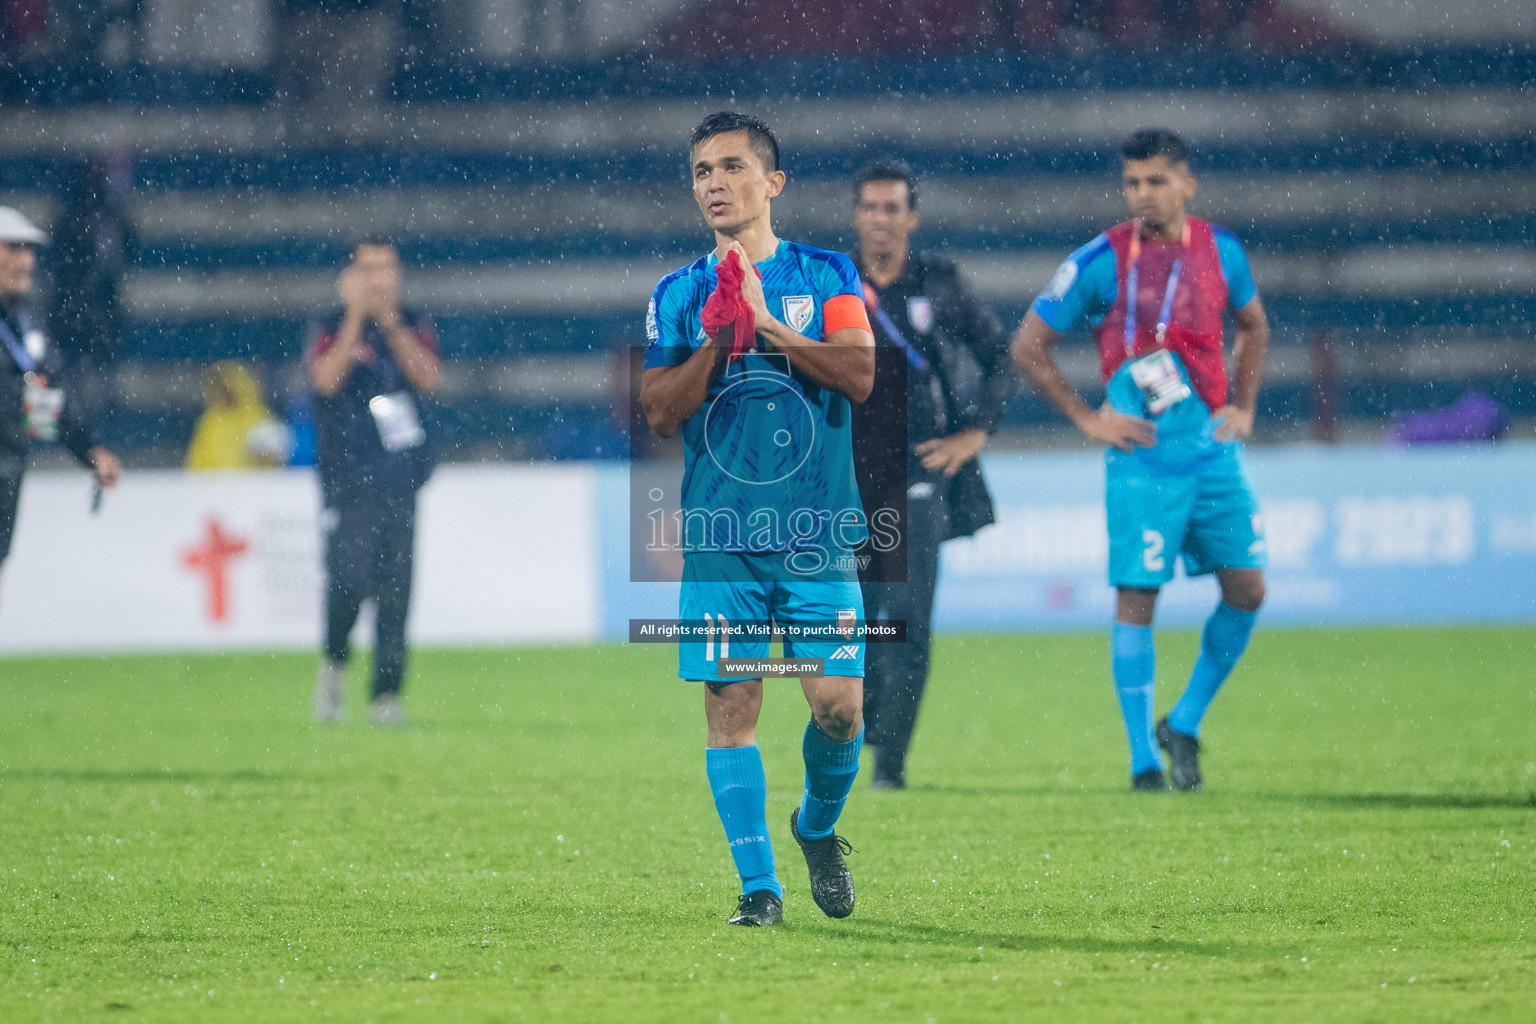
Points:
x=712, y=623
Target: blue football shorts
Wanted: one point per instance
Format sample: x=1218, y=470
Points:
x=1208, y=516
x=742, y=588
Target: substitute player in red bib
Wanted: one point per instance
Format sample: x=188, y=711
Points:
x=1154, y=290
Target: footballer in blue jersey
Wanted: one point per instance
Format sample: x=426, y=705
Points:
x=770, y=507
x=771, y=458
x=1154, y=291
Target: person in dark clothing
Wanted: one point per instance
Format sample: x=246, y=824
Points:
x=370, y=363
x=90, y=254
x=32, y=405
x=937, y=335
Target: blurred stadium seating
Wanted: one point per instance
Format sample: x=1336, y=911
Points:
x=1385, y=190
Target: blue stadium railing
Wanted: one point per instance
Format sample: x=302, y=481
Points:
x=340, y=169
x=483, y=427
x=1164, y=68
x=60, y=83
x=496, y=336
x=1336, y=236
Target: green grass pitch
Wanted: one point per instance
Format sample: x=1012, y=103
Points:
x=178, y=842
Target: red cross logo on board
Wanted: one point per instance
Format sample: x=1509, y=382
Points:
x=210, y=558
x=1060, y=595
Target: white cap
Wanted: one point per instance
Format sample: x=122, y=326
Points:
x=16, y=228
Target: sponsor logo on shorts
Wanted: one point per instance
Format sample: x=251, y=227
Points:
x=847, y=652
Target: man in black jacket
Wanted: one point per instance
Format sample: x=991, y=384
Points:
x=370, y=364
x=33, y=405
x=934, y=336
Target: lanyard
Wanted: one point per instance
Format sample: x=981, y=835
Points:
x=390, y=377
x=15, y=347
x=1132, y=280
x=872, y=300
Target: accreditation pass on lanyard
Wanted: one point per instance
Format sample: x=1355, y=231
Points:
x=44, y=406
x=1157, y=375
x=41, y=404
x=399, y=425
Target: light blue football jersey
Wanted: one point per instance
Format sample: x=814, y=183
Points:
x=1084, y=289
x=768, y=457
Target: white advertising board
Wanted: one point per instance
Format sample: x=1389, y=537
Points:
x=178, y=561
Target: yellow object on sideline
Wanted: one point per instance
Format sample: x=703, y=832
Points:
x=236, y=430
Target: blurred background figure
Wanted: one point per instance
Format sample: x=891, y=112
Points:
x=93, y=238
x=236, y=430
x=370, y=363
x=921, y=430
x=33, y=405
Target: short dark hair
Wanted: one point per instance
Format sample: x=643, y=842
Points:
x=1150, y=142
x=759, y=135
x=373, y=238
x=890, y=168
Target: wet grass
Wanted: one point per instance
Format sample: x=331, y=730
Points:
x=181, y=843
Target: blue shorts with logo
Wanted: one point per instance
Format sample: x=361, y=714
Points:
x=1204, y=512
x=757, y=587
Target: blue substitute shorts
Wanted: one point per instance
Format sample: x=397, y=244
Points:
x=1207, y=515
x=748, y=587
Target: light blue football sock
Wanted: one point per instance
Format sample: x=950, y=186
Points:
x=830, y=768
x=1134, y=661
x=1221, y=644
x=741, y=798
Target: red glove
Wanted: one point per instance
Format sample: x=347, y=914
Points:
x=725, y=307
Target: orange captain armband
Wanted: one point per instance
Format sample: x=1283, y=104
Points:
x=842, y=311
